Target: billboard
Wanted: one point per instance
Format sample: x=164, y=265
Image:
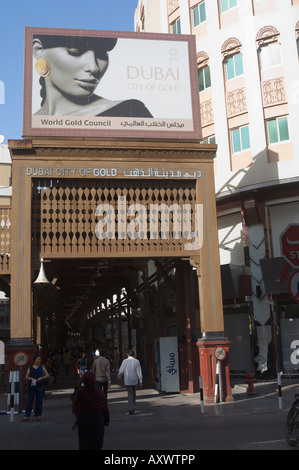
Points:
x=102, y=84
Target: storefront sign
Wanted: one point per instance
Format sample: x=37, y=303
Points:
x=289, y=244
x=289, y=240
x=106, y=172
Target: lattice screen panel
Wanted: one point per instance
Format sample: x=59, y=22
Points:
x=67, y=217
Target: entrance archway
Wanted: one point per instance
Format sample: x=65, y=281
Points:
x=113, y=201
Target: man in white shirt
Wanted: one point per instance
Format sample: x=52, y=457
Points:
x=131, y=370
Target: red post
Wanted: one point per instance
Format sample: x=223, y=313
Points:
x=208, y=362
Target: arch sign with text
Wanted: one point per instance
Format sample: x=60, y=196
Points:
x=100, y=84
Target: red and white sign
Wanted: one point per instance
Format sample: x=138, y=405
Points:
x=289, y=243
x=20, y=359
x=220, y=353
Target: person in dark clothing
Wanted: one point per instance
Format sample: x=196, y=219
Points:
x=92, y=415
x=35, y=376
x=83, y=365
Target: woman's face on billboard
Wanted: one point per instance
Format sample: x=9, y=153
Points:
x=75, y=72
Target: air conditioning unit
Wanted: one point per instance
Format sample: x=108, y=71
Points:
x=248, y=298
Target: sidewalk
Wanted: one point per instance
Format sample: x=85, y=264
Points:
x=169, y=421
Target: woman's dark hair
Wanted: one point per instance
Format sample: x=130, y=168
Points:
x=96, y=44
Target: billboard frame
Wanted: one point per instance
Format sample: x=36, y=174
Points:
x=103, y=133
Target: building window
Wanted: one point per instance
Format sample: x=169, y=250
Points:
x=278, y=130
x=209, y=140
x=199, y=14
x=240, y=139
x=269, y=55
x=204, y=78
x=227, y=5
x=234, y=66
x=176, y=26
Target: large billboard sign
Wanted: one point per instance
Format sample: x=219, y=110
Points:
x=102, y=84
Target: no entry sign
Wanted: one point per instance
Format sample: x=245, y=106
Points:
x=289, y=244
x=220, y=353
x=20, y=359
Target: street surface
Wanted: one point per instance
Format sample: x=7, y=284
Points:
x=162, y=422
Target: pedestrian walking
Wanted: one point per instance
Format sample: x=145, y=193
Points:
x=35, y=375
x=101, y=368
x=91, y=410
x=83, y=365
x=130, y=369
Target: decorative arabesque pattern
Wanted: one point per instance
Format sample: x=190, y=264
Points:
x=236, y=102
x=274, y=92
x=112, y=218
x=172, y=5
x=266, y=35
x=207, y=115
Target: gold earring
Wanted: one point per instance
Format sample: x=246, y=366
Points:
x=42, y=67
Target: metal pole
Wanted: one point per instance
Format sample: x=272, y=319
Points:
x=279, y=390
x=220, y=381
x=217, y=382
x=201, y=396
x=17, y=389
x=13, y=396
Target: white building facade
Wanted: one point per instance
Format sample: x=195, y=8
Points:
x=248, y=79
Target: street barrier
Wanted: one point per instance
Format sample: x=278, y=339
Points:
x=201, y=396
x=13, y=395
x=218, y=383
x=279, y=390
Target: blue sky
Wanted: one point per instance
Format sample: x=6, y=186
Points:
x=117, y=15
